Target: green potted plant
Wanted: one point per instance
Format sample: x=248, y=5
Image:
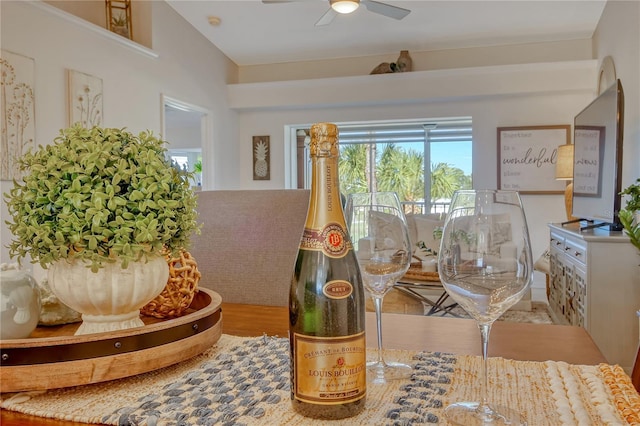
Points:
x=119, y=25
x=629, y=215
x=95, y=203
x=197, y=168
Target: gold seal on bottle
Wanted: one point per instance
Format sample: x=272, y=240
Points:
x=324, y=140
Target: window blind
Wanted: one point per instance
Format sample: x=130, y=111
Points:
x=441, y=130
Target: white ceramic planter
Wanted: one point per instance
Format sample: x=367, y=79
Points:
x=111, y=298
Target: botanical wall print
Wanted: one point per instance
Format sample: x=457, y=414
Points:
x=85, y=99
x=17, y=112
x=261, y=158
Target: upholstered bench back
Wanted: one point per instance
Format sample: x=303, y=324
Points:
x=249, y=242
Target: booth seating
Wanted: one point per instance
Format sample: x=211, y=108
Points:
x=248, y=243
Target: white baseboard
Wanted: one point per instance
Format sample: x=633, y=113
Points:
x=539, y=294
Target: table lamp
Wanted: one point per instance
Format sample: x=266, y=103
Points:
x=564, y=171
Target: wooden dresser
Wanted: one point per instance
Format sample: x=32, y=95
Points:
x=595, y=284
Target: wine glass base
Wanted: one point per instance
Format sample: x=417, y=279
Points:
x=383, y=372
x=472, y=413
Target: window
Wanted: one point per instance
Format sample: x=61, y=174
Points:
x=393, y=156
x=182, y=162
x=190, y=161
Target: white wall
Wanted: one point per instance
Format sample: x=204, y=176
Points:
x=183, y=137
x=187, y=68
x=618, y=36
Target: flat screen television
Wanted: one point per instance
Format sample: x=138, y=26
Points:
x=597, y=162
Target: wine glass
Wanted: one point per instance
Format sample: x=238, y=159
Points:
x=485, y=265
x=380, y=238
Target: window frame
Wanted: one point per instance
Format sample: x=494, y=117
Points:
x=452, y=129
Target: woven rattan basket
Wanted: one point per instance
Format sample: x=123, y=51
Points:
x=181, y=287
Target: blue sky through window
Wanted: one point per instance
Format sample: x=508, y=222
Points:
x=457, y=154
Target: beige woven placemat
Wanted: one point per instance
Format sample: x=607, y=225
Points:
x=246, y=381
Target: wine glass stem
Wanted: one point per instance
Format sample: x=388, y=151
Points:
x=485, y=329
x=377, y=304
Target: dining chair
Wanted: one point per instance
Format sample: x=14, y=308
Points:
x=249, y=242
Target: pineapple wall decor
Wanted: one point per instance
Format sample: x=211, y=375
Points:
x=261, y=158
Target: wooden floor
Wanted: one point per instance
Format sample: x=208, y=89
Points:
x=399, y=302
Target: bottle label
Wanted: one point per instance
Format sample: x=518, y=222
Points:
x=332, y=240
x=330, y=370
x=337, y=289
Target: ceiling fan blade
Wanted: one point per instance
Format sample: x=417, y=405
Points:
x=327, y=18
x=385, y=9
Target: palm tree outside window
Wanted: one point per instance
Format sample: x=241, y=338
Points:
x=393, y=156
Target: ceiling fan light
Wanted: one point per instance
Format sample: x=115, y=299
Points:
x=344, y=6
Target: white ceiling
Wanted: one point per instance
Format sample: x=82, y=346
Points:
x=252, y=32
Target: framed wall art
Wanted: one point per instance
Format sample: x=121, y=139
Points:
x=261, y=158
x=85, y=99
x=119, y=17
x=17, y=99
x=527, y=158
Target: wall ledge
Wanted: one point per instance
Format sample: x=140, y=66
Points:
x=419, y=86
x=103, y=32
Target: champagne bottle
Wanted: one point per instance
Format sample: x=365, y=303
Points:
x=326, y=301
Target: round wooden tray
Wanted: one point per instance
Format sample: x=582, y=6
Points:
x=52, y=357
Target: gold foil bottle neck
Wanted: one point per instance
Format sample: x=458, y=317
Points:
x=324, y=140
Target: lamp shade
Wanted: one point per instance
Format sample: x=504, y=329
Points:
x=344, y=6
x=564, y=163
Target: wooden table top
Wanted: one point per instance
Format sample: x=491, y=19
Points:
x=518, y=341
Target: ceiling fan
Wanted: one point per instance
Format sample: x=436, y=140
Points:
x=348, y=6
